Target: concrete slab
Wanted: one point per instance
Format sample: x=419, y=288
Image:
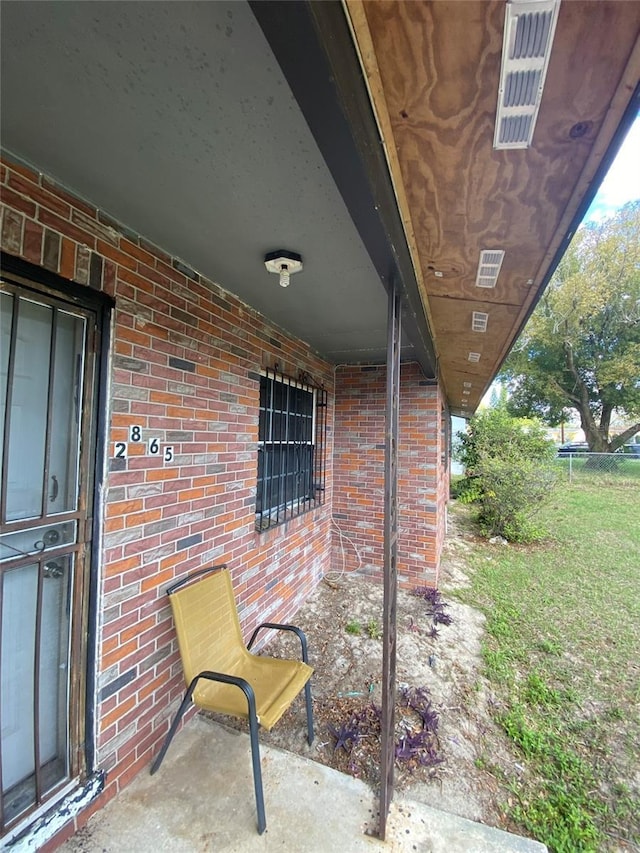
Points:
x=202, y=799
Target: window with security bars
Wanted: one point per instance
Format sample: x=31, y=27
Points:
x=291, y=449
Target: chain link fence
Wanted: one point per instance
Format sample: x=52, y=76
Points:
x=602, y=467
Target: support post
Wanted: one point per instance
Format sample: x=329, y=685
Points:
x=387, y=757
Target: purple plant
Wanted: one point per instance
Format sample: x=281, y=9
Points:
x=361, y=723
x=418, y=747
x=344, y=734
x=435, y=607
x=417, y=698
x=429, y=717
x=429, y=594
x=414, y=696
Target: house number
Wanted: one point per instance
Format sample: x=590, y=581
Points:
x=154, y=447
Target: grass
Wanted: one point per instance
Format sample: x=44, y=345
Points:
x=562, y=651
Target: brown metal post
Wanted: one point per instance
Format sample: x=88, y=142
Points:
x=390, y=559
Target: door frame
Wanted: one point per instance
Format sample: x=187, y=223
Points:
x=31, y=277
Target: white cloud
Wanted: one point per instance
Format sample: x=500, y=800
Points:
x=622, y=182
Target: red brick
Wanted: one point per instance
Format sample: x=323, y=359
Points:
x=67, y=197
x=32, y=243
x=68, y=258
x=108, y=251
x=41, y=196
x=17, y=202
x=65, y=228
x=12, y=226
x=21, y=170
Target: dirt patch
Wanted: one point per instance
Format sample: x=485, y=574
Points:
x=343, y=622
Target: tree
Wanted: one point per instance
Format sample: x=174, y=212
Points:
x=509, y=472
x=581, y=347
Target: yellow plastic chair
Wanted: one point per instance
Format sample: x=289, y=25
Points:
x=222, y=675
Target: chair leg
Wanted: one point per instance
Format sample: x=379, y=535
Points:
x=307, y=697
x=257, y=770
x=174, y=727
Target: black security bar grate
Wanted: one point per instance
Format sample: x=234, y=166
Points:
x=292, y=449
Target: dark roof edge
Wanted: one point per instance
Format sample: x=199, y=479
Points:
x=313, y=45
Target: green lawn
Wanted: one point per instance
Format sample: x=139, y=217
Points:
x=563, y=654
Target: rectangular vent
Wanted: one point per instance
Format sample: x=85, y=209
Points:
x=529, y=28
x=466, y=391
x=479, y=321
x=467, y=384
x=532, y=35
x=489, y=267
x=474, y=357
x=521, y=88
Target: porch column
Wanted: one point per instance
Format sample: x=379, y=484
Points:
x=390, y=558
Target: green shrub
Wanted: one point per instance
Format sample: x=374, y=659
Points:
x=508, y=472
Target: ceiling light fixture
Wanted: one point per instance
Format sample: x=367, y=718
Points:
x=489, y=267
x=529, y=27
x=284, y=264
x=474, y=357
x=479, y=321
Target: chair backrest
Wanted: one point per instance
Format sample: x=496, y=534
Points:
x=207, y=625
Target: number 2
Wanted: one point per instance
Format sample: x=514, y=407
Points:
x=120, y=450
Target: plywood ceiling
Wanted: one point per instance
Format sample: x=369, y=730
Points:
x=433, y=70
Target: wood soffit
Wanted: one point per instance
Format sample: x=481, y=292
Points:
x=432, y=70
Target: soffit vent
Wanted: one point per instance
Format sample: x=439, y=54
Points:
x=529, y=27
x=489, y=267
x=474, y=357
x=467, y=384
x=479, y=321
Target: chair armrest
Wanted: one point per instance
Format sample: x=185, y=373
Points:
x=223, y=678
x=278, y=627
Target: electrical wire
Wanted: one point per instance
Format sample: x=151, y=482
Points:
x=336, y=575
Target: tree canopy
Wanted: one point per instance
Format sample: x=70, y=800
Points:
x=581, y=347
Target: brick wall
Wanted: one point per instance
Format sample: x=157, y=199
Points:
x=358, y=504
x=184, y=364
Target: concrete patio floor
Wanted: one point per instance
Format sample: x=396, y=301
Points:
x=202, y=799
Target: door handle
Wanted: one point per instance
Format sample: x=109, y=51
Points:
x=54, y=488
x=53, y=570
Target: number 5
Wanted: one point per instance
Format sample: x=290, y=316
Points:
x=168, y=453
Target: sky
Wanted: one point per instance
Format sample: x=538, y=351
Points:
x=622, y=182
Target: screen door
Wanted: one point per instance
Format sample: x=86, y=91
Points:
x=45, y=454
